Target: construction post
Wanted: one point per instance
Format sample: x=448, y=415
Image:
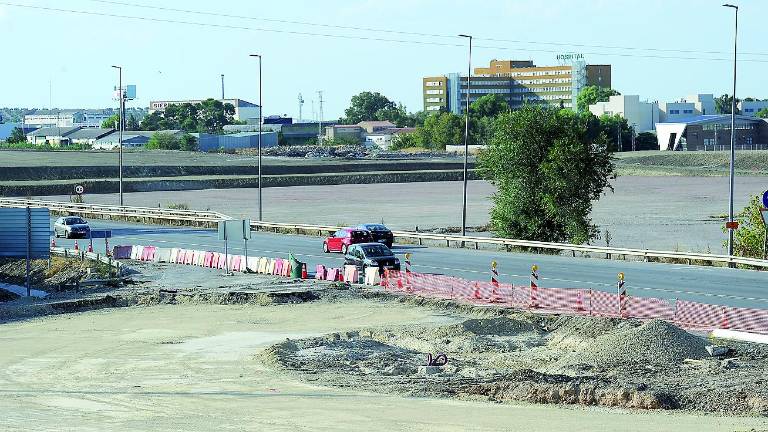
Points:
x=495, y=297
x=534, y=285
x=622, y=292
x=408, y=271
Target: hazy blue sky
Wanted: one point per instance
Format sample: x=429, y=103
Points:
x=174, y=61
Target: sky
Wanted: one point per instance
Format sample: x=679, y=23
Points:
x=660, y=50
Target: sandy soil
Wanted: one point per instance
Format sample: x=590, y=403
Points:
x=197, y=367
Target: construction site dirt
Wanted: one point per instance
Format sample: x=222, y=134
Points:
x=191, y=349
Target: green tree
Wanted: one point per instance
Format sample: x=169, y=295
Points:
x=724, y=103
x=442, y=129
x=749, y=237
x=404, y=140
x=490, y=105
x=548, y=166
x=590, y=95
x=763, y=113
x=416, y=119
x=111, y=122
x=17, y=136
x=646, y=141
x=365, y=105
x=163, y=141
x=213, y=115
x=153, y=122
x=617, y=131
x=187, y=143
x=396, y=115
x=132, y=124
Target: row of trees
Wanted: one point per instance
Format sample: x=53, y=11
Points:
x=367, y=106
x=208, y=116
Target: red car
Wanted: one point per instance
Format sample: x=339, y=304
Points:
x=341, y=239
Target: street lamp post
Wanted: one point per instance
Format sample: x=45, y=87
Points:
x=466, y=138
x=261, y=108
x=733, y=130
x=121, y=108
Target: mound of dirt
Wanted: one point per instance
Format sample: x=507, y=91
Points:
x=653, y=343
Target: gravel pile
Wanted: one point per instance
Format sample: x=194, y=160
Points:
x=656, y=343
x=344, y=152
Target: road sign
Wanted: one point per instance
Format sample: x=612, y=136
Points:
x=235, y=229
x=732, y=225
x=97, y=234
x=764, y=212
x=765, y=199
x=79, y=189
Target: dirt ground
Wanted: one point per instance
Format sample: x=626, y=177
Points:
x=198, y=367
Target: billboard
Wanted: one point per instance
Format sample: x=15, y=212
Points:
x=25, y=226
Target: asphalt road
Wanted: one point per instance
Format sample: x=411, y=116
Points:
x=741, y=288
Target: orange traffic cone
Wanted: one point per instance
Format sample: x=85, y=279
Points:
x=579, y=301
x=53, y=242
x=90, y=247
x=76, y=246
x=304, y=270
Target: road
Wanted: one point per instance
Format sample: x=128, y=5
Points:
x=733, y=287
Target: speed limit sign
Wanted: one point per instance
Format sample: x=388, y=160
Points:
x=79, y=189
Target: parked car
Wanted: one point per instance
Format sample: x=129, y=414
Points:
x=365, y=255
x=379, y=232
x=71, y=226
x=343, y=238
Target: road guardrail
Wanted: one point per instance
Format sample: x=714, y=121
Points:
x=211, y=218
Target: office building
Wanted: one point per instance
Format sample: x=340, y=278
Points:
x=712, y=132
x=640, y=115
x=518, y=82
x=751, y=108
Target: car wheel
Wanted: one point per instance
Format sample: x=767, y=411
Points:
x=325, y=247
x=66, y=234
x=344, y=249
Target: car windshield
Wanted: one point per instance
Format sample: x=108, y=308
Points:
x=376, y=228
x=73, y=221
x=376, y=251
x=359, y=235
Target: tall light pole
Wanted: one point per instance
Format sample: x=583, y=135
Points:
x=121, y=98
x=733, y=131
x=466, y=138
x=261, y=109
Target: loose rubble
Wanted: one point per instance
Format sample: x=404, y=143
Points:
x=518, y=357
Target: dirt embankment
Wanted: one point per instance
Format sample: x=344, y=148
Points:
x=62, y=274
x=568, y=360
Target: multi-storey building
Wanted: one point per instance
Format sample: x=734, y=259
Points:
x=518, y=82
x=752, y=107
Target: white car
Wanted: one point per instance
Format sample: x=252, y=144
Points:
x=71, y=226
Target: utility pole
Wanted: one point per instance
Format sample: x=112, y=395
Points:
x=733, y=132
x=222, y=87
x=320, y=119
x=261, y=113
x=618, y=136
x=121, y=98
x=466, y=139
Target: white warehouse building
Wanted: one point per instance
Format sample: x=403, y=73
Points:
x=643, y=116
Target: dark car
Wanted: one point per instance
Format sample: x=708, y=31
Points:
x=365, y=255
x=379, y=232
x=343, y=238
x=71, y=226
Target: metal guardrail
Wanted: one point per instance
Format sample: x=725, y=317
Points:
x=210, y=217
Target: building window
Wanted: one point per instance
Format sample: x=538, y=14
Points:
x=434, y=99
x=688, y=111
x=749, y=110
x=749, y=140
x=433, y=108
x=672, y=111
x=433, y=83
x=434, y=92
